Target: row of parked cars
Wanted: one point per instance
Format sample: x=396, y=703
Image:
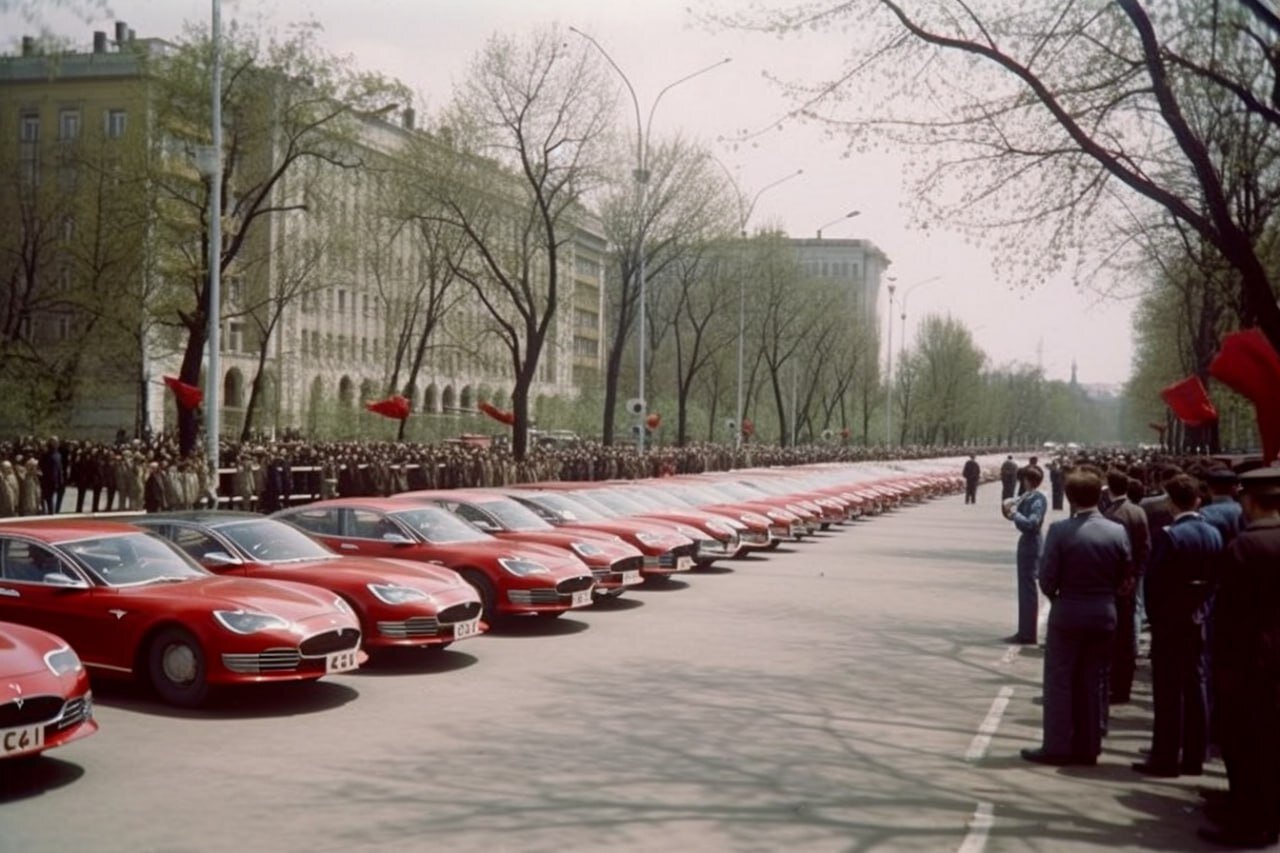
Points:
x=188, y=602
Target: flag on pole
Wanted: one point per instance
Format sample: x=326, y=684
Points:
x=188, y=396
x=396, y=407
x=1190, y=402
x=1249, y=365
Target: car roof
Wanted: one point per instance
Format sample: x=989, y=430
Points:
x=210, y=517
x=54, y=530
x=384, y=504
x=476, y=495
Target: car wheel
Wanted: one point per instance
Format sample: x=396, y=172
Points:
x=484, y=587
x=177, y=667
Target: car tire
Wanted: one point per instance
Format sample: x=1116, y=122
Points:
x=176, y=664
x=484, y=588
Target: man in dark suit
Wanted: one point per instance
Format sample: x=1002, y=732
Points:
x=1008, y=478
x=1179, y=586
x=1223, y=511
x=1086, y=559
x=972, y=472
x=1246, y=671
x=1124, y=657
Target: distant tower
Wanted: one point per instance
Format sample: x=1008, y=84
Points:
x=1073, y=373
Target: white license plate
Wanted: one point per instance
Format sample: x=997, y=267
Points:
x=629, y=578
x=342, y=661
x=581, y=598
x=18, y=741
x=462, y=630
x=684, y=564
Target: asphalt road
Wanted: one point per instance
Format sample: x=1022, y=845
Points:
x=847, y=693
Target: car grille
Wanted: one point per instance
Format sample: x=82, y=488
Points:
x=575, y=584
x=35, y=709
x=534, y=596
x=412, y=628
x=708, y=547
x=780, y=531
x=75, y=712
x=627, y=564
x=752, y=538
x=459, y=613
x=272, y=660
x=340, y=640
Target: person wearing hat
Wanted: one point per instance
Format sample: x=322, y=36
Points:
x=1246, y=663
x=1223, y=511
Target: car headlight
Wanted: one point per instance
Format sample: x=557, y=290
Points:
x=522, y=568
x=391, y=594
x=61, y=661
x=249, y=622
x=586, y=549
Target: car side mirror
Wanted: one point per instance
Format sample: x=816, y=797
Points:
x=64, y=581
x=396, y=539
x=220, y=558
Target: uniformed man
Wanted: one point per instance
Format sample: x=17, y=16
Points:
x=1124, y=656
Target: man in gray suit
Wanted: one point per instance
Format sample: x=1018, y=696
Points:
x=1085, y=562
x=1124, y=658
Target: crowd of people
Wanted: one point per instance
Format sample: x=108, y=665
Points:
x=1187, y=548
x=266, y=475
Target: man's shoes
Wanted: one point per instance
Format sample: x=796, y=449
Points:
x=1191, y=770
x=1039, y=756
x=1147, y=768
x=1019, y=641
x=1243, y=839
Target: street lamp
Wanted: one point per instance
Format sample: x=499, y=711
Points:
x=213, y=390
x=888, y=373
x=848, y=215
x=744, y=213
x=906, y=294
x=641, y=176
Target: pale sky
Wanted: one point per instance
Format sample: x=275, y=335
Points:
x=429, y=43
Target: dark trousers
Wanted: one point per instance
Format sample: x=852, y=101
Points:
x=1074, y=661
x=971, y=491
x=1028, y=597
x=1179, y=690
x=1007, y=485
x=1124, y=654
x=1251, y=752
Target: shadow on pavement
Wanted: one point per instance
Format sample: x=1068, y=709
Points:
x=248, y=701
x=21, y=778
x=415, y=662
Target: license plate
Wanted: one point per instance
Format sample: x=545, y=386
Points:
x=581, y=598
x=629, y=578
x=342, y=661
x=462, y=630
x=18, y=741
x=684, y=564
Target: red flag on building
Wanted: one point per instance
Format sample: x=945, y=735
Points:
x=1190, y=402
x=500, y=415
x=1249, y=365
x=396, y=407
x=188, y=396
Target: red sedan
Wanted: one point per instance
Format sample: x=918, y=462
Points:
x=512, y=578
x=131, y=604
x=44, y=693
x=398, y=603
x=615, y=564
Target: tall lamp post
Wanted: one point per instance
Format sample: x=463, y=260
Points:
x=888, y=373
x=641, y=176
x=744, y=214
x=906, y=294
x=848, y=215
x=213, y=426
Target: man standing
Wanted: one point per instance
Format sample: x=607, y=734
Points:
x=1124, y=658
x=1027, y=514
x=1086, y=559
x=1057, y=480
x=1008, y=478
x=1179, y=585
x=1223, y=510
x=972, y=473
x=1246, y=662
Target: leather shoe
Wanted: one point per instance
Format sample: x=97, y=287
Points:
x=1146, y=768
x=1039, y=756
x=1191, y=770
x=1015, y=640
x=1243, y=839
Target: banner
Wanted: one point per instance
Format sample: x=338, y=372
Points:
x=500, y=415
x=1190, y=402
x=1249, y=365
x=396, y=407
x=188, y=396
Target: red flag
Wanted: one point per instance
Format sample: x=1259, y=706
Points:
x=748, y=428
x=497, y=414
x=1190, y=402
x=1248, y=364
x=396, y=407
x=653, y=421
x=188, y=396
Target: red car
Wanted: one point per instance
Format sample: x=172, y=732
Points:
x=398, y=603
x=44, y=693
x=131, y=604
x=666, y=550
x=615, y=564
x=512, y=578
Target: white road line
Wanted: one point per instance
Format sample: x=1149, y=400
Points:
x=1010, y=654
x=979, y=828
x=982, y=740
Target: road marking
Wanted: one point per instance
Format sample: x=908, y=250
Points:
x=979, y=828
x=1009, y=655
x=982, y=740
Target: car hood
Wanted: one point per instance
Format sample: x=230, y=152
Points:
x=286, y=599
x=363, y=570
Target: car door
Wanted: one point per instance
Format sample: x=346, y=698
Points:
x=35, y=590
x=199, y=544
x=370, y=533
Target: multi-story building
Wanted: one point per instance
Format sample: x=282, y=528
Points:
x=856, y=266
x=320, y=305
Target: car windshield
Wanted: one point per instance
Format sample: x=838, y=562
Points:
x=134, y=558
x=588, y=499
x=270, y=541
x=617, y=501
x=438, y=525
x=513, y=516
x=564, y=507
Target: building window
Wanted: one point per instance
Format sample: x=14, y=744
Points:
x=303, y=342
x=235, y=337
x=584, y=319
x=29, y=127
x=68, y=125
x=342, y=301
x=68, y=228
x=62, y=327
x=115, y=123
x=584, y=347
